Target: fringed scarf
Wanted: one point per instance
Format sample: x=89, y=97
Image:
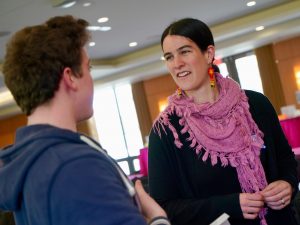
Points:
x=223, y=130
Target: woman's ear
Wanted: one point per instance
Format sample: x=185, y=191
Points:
x=210, y=54
x=69, y=79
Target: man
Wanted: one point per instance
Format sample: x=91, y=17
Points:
x=52, y=174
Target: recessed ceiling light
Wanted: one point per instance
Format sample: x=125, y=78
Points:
x=68, y=5
x=102, y=19
x=107, y=28
x=162, y=58
x=91, y=44
x=132, y=44
x=98, y=28
x=86, y=4
x=251, y=3
x=93, y=28
x=63, y=3
x=259, y=28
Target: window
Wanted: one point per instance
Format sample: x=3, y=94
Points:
x=223, y=69
x=243, y=68
x=117, y=125
x=249, y=73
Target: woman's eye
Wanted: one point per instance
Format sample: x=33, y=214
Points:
x=168, y=58
x=183, y=52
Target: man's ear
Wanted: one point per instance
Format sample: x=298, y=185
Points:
x=69, y=79
x=210, y=54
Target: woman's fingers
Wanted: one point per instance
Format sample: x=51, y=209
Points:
x=251, y=204
x=277, y=194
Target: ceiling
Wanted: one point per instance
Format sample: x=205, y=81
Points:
x=232, y=22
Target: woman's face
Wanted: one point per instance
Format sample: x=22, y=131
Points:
x=187, y=64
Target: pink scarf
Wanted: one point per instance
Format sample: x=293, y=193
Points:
x=223, y=130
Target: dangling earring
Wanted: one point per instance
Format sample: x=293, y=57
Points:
x=179, y=92
x=211, y=73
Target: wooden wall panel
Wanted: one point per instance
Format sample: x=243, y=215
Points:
x=287, y=49
x=270, y=77
x=288, y=80
x=8, y=127
x=287, y=55
x=142, y=109
x=156, y=90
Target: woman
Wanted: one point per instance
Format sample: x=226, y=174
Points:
x=216, y=148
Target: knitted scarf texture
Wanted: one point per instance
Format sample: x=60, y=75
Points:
x=223, y=130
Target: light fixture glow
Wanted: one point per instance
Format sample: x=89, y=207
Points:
x=98, y=28
x=93, y=28
x=251, y=3
x=132, y=44
x=102, y=19
x=63, y=3
x=259, y=28
x=91, y=44
x=297, y=76
x=162, y=58
x=162, y=104
x=86, y=4
x=68, y=5
x=107, y=28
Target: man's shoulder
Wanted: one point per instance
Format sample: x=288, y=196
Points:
x=68, y=150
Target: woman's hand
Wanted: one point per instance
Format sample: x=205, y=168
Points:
x=251, y=204
x=278, y=194
x=150, y=208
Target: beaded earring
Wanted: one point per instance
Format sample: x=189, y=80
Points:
x=211, y=76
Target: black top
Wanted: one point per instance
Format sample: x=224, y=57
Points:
x=195, y=192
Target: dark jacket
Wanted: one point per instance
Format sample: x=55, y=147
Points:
x=195, y=192
x=52, y=176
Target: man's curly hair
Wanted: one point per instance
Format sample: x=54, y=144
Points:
x=37, y=55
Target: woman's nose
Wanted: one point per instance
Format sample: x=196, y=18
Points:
x=178, y=62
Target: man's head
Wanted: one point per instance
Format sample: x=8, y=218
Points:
x=37, y=56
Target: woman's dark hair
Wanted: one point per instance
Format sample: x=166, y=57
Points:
x=193, y=29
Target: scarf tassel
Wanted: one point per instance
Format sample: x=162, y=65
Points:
x=198, y=149
x=214, y=158
x=262, y=214
x=224, y=160
x=184, y=129
x=232, y=161
x=205, y=156
x=193, y=144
